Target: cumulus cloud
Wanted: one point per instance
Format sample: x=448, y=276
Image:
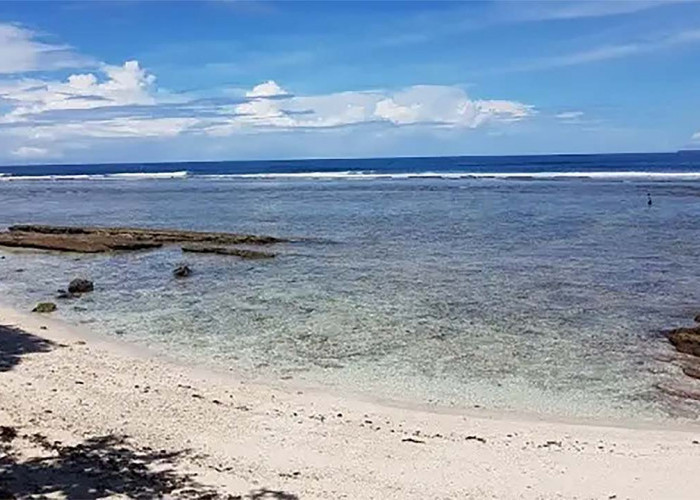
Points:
x=266, y=89
x=124, y=102
x=429, y=105
x=124, y=85
x=21, y=51
x=695, y=137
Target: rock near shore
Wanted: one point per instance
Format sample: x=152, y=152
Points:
x=44, y=307
x=686, y=340
x=80, y=285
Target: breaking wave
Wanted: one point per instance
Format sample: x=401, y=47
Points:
x=362, y=175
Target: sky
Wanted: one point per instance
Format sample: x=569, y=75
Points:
x=148, y=81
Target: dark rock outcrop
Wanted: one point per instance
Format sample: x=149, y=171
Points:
x=182, y=271
x=686, y=340
x=237, y=252
x=44, y=307
x=80, y=285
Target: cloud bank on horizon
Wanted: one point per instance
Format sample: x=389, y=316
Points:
x=124, y=102
x=60, y=104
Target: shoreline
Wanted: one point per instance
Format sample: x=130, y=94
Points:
x=70, y=332
x=244, y=436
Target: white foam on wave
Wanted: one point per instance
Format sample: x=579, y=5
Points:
x=146, y=175
x=594, y=175
x=360, y=175
x=79, y=177
x=345, y=175
x=289, y=175
x=46, y=177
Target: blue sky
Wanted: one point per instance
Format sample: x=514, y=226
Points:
x=214, y=80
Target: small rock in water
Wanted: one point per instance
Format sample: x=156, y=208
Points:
x=182, y=271
x=80, y=285
x=44, y=307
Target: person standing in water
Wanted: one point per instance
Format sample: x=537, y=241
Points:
x=649, y=202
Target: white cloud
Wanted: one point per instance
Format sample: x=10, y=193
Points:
x=29, y=152
x=569, y=115
x=695, y=137
x=266, y=89
x=123, y=127
x=124, y=85
x=21, y=51
x=441, y=106
x=124, y=102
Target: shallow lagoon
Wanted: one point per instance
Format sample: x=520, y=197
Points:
x=542, y=296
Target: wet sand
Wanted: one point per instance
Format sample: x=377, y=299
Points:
x=85, y=416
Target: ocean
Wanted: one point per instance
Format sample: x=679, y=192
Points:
x=533, y=284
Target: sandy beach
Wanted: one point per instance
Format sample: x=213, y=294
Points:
x=86, y=417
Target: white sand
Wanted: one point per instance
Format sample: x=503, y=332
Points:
x=310, y=444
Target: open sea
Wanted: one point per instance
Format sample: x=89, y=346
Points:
x=535, y=284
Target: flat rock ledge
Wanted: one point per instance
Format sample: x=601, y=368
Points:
x=106, y=239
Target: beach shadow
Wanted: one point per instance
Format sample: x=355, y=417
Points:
x=100, y=467
x=15, y=343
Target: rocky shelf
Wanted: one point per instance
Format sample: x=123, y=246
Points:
x=686, y=340
x=105, y=239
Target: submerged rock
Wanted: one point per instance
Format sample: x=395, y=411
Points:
x=686, y=340
x=80, y=285
x=237, y=252
x=679, y=391
x=44, y=307
x=64, y=294
x=182, y=271
x=692, y=370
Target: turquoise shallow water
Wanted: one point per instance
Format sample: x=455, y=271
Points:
x=541, y=295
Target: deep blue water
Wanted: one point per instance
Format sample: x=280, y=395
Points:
x=643, y=162
x=533, y=293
